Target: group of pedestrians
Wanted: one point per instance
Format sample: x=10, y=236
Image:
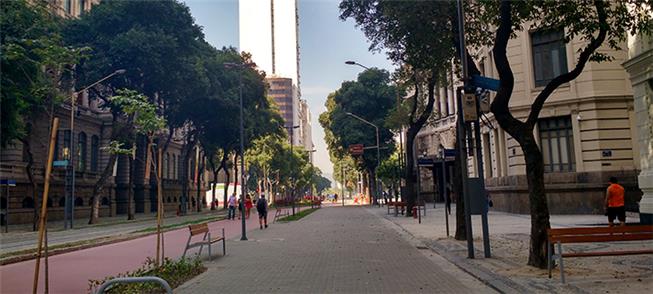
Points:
x=261, y=208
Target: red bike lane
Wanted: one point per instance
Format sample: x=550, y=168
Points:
x=70, y=272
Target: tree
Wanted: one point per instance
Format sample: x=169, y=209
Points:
x=422, y=48
x=321, y=183
x=158, y=45
x=260, y=157
x=390, y=174
x=370, y=97
x=35, y=71
x=594, y=22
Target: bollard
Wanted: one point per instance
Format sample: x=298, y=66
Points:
x=414, y=211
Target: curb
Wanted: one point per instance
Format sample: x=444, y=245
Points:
x=118, y=239
x=495, y=281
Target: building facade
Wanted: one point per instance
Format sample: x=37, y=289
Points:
x=585, y=130
x=640, y=69
x=90, y=134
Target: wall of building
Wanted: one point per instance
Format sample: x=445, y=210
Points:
x=599, y=106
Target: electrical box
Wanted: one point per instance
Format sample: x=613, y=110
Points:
x=469, y=108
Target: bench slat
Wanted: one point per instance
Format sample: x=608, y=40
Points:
x=600, y=230
x=607, y=253
x=198, y=229
x=601, y=238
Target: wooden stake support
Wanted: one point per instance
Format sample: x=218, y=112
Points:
x=44, y=202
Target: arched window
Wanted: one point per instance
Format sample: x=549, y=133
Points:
x=95, y=152
x=175, y=199
x=174, y=166
x=62, y=202
x=28, y=202
x=82, y=5
x=68, y=6
x=81, y=152
x=169, y=199
x=49, y=202
x=80, y=202
x=105, y=201
x=66, y=145
x=166, y=166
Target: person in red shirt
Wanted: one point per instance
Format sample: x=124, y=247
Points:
x=614, y=202
x=248, y=206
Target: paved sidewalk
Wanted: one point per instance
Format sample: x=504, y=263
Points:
x=70, y=272
x=509, y=240
x=20, y=237
x=334, y=250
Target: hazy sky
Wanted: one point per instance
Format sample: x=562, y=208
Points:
x=325, y=43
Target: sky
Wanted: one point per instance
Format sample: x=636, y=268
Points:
x=325, y=44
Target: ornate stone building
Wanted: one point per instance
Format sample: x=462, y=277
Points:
x=585, y=130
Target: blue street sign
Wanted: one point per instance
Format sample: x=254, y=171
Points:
x=485, y=82
x=11, y=183
x=425, y=161
x=449, y=152
x=60, y=163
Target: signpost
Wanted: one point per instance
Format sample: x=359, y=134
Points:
x=356, y=149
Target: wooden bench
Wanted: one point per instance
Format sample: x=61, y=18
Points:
x=203, y=229
x=280, y=213
x=397, y=205
x=594, y=235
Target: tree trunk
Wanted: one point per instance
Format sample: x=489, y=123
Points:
x=225, y=197
x=461, y=231
x=411, y=177
x=29, y=169
x=200, y=173
x=130, y=190
x=537, y=198
x=98, y=187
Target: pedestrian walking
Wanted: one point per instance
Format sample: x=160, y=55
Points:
x=231, y=214
x=240, y=208
x=614, y=202
x=248, y=206
x=262, y=209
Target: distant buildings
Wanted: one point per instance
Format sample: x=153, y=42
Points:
x=269, y=31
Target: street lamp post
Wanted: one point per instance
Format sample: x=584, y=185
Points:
x=70, y=203
x=241, y=66
x=351, y=62
x=291, y=130
x=378, y=153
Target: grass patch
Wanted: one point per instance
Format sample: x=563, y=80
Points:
x=298, y=215
x=175, y=272
x=177, y=225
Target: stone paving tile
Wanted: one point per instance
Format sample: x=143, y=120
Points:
x=334, y=250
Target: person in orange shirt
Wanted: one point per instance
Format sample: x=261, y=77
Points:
x=614, y=202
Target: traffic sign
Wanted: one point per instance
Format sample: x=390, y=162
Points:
x=356, y=149
x=60, y=163
x=485, y=82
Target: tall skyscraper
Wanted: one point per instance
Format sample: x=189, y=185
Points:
x=268, y=30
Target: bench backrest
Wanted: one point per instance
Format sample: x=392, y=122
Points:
x=198, y=229
x=600, y=234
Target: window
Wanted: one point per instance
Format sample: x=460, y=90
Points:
x=66, y=145
x=28, y=202
x=81, y=3
x=81, y=152
x=557, y=143
x=95, y=152
x=175, y=166
x=549, y=56
x=68, y=6
x=166, y=166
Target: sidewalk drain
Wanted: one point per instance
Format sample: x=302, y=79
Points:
x=421, y=247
